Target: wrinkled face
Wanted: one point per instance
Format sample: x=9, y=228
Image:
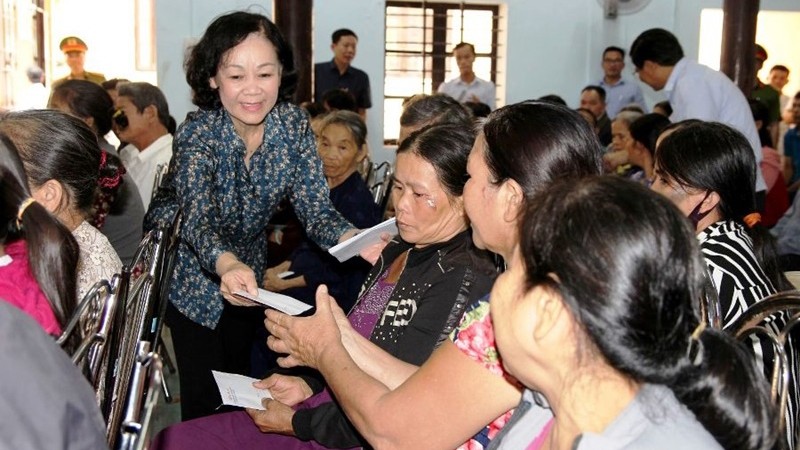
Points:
x=248, y=79
x=778, y=79
x=591, y=101
x=339, y=153
x=620, y=135
x=425, y=213
x=75, y=61
x=482, y=203
x=613, y=63
x=344, y=50
x=137, y=123
x=464, y=59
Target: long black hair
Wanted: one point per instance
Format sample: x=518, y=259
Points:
x=534, y=143
x=714, y=157
x=224, y=33
x=52, y=250
x=634, y=290
x=57, y=146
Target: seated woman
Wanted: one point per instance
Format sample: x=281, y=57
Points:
x=64, y=166
x=607, y=336
x=641, y=145
x=412, y=299
x=519, y=151
x=118, y=209
x=616, y=159
x=342, y=147
x=38, y=255
x=708, y=171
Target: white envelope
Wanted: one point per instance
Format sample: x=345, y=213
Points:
x=362, y=240
x=282, y=303
x=238, y=390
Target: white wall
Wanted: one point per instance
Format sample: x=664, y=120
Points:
x=552, y=46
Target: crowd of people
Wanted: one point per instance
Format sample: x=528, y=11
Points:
x=543, y=290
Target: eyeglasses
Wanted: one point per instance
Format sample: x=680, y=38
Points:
x=120, y=119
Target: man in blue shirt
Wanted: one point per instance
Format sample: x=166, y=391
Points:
x=338, y=73
x=791, y=150
x=619, y=91
x=695, y=91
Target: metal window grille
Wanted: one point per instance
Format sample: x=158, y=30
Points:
x=420, y=37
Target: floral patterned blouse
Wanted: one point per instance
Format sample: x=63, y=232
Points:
x=475, y=338
x=97, y=261
x=226, y=204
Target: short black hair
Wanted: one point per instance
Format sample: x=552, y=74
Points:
x=779, y=67
x=614, y=48
x=657, y=45
x=224, y=33
x=339, y=99
x=599, y=89
x=461, y=45
x=342, y=32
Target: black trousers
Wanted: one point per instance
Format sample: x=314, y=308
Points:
x=199, y=350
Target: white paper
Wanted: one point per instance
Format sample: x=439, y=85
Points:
x=362, y=240
x=282, y=303
x=238, y=390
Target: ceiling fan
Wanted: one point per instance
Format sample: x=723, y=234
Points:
x=613, y=8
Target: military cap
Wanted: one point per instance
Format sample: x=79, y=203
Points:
x=72, y=44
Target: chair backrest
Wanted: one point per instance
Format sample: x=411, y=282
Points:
x=137, y=314
x=96, y=320
x=381, y=183
x=161, y=170
x=140, y=401
x=773, y=320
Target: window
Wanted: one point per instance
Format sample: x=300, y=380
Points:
x=419, y=39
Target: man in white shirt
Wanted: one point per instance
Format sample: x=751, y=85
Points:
x=695, y=91
x=142, y=120
x=467, y=87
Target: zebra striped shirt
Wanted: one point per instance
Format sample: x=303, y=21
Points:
x=733, y=268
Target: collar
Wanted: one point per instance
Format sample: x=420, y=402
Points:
x=619, y=83
x=154, y=148
x=677, y=71
x=334, y=68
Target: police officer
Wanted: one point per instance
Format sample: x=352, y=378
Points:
x=75, y=52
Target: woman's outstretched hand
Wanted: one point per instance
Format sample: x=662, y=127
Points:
x=236, y=276
x=305, y=339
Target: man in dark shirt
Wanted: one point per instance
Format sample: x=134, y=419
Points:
x=339, y=74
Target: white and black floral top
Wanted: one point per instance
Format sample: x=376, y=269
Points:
x=98, y=260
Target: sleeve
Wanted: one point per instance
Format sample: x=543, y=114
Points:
x=491, y=95
x=328, y=425
x=309, y=195
x=638, y=98
x=194, y=174
x=365, y=100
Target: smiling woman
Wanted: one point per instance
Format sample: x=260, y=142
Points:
x=234, y=160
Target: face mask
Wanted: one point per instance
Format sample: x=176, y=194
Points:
x=696, y=216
